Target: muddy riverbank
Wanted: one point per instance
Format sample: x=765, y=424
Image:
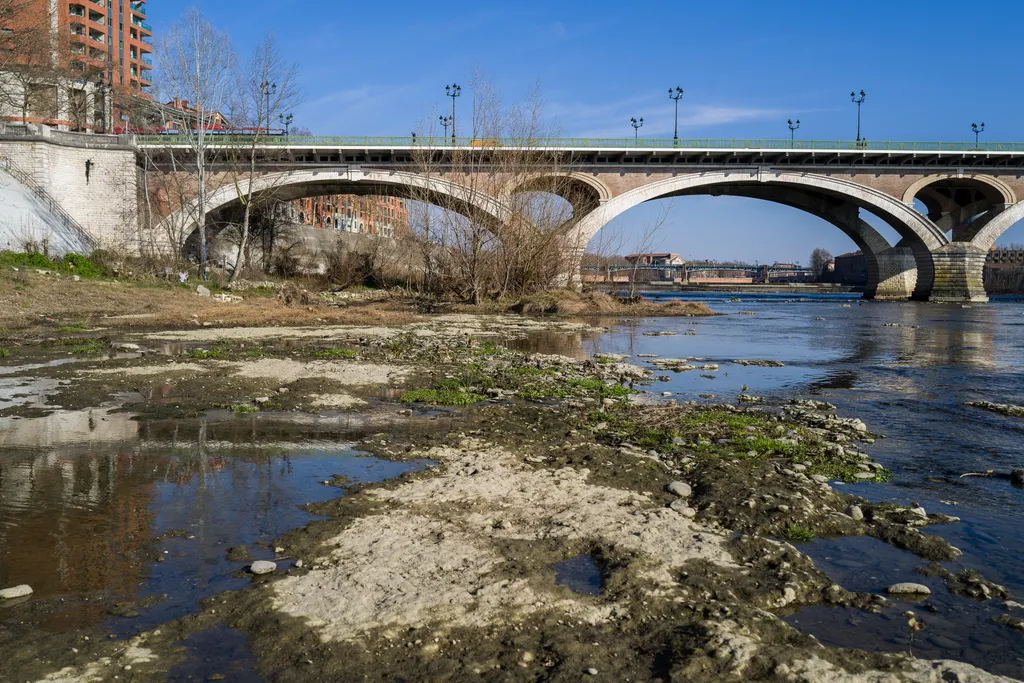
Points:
x=687, y=521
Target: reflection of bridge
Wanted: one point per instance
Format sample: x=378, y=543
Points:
x=969, y=193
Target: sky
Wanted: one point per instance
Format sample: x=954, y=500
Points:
x=929, y=67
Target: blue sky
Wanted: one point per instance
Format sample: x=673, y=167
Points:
x=929, y=68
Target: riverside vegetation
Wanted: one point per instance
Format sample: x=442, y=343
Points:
x=693, y=514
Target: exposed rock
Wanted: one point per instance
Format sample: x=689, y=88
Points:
x=815, y=670
x=679, y=488
x=855, y=512
x=762, y=363
x=908, y=589
x=202, y=291
x=16, y=592
x=128, y=347
x=263, y=567
x=1012, y=622
x=1001, y=408
x=1017, y=478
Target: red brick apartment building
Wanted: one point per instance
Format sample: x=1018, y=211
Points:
x=380, y=216
x=99, y=50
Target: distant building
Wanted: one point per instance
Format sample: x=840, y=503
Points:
x=179, y=114
x=850, y=269
x=381, y=216
x=666, y=259
x=1005, y=257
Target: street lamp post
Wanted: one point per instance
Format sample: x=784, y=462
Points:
x=858, y=101
x=977, y=129
x=448, y=121
x=453, y=91
x=266, y=89
x=637, y=125
x=792, y=130
x=676, y=95
x=287, y=121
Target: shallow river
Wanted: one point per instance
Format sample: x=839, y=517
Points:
x=99, y=507
x=906, y=369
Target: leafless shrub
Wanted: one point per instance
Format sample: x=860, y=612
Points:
x=494, y=217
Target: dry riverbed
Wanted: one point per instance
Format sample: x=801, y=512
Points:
x=690, y=516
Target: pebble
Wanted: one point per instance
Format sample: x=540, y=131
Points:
x=128, y=347
x=919, y=511
x=680, y=506
x=592, y=671
x=855, y=512
x=262, y=567
x=666, y=393
x=679, y=488
x=820, y=478
x=608, y=401
x=202, y=291
x=864, y=475
x=16, y=592
x=908, y=589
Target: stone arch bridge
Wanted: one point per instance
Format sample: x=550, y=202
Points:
x=947, y=202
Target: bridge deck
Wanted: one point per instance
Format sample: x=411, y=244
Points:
x=605, y=151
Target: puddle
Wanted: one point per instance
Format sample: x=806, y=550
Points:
x=580, y=574
x=151, y=510
x=958, y=628
x=218, y=653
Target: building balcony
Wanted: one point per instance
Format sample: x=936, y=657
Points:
x=76, y=10
x=141, y=24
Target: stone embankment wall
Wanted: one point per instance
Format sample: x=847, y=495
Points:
x=26, y=223
x=105, y=203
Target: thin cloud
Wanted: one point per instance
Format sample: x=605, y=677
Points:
x=611, y=119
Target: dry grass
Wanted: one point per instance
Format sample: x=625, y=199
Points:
x=28, y=300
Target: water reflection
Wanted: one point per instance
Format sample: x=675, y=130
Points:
x=95, y=504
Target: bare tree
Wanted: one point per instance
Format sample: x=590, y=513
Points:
x=501, y=205
x=197, y=66
x=29, y=61
x=650, y=239
x=820, y=259
x=267, y=89
x=605, y=248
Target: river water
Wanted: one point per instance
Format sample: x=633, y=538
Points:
x=96, y=505
x=907, y=370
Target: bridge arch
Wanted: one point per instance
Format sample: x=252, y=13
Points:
x=288, y=185
x=986, y=237
x=821, y=195
x=962, y=204
x=584, y=191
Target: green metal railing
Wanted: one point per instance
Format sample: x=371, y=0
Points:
x=584, y=143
